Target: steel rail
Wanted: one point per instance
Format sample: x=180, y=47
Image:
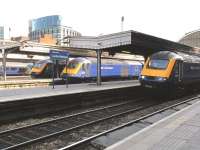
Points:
x=87, y=140
x=68, y=116
x=72, y=128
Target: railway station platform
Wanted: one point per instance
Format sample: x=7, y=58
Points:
x=24, y=82
x=180, y=131
x=8, y=95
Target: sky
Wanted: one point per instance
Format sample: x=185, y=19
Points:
x=168, y=19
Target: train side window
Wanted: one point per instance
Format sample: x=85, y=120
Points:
x=12, y=68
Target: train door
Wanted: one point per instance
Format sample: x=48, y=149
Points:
x=48, y=71
x=178, y=73
x=124, y=70
x=85, y=68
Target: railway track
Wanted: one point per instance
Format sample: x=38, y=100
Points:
x=140, y=123
x=17, y=110
x=19, y=137
x=23, y=137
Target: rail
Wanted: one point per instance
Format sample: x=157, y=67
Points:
x=33, y=133
x=87, y=140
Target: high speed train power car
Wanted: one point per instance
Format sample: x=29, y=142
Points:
x=86, y=68
x=44, y=68
x=170, y=69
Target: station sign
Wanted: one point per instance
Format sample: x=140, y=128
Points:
x=58, y=55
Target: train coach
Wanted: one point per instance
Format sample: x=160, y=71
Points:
x=15, y=69
x=86, y=69
x=166, y=69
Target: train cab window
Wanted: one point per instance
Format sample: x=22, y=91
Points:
x=38, y=65
x=13, y=69
x=22, y=69
x=73, y=64
x=158, y=63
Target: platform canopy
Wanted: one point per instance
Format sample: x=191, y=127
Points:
x=126, y=42
x=34, y=48
x=122, y=42
x=9, y=46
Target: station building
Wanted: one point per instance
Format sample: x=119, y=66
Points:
x=50, y=30
x=191, y=39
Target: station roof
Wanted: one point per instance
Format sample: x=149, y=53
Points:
x=9, y=46
x=131, y=42
x=33, y=48
x=127, y=42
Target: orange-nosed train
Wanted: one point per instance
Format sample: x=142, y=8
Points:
x=166, y=69
x=85, y=68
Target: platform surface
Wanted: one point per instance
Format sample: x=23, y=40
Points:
x=180, y=131
x=36, y=92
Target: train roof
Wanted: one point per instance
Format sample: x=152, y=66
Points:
x=15, y=64
x=165, y=55
x=190, y=57
x=176, y=55
x=106, y=61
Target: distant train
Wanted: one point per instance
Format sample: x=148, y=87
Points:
x=15, y=70
x=44, y=69
x=86, y=69
x=170, y=69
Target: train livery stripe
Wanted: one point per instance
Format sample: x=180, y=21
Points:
x=158, y=72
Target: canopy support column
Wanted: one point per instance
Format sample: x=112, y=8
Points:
x=4, y=56
x=98, y=67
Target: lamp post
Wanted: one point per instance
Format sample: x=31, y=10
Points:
x=122, y=23
x=9, y=33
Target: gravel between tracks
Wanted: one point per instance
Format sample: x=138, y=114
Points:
x=71, y=137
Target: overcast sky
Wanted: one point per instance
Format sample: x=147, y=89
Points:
x=169, y=19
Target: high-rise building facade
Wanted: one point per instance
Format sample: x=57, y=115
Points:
x=52, y=26
x=4, y=33
x=1, y=32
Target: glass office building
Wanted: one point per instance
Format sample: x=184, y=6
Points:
x=191, y=39
x=4, y=32
x=1, y=32
x=50, y=25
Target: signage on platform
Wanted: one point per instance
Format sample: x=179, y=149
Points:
x=58, y=55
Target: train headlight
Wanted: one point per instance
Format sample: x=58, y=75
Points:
x=142, y=77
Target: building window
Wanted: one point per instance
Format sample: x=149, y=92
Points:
x=58, y=30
